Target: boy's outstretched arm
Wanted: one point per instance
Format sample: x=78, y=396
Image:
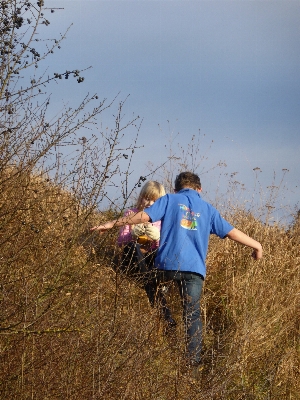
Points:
x=242, y=238
x=132, y=219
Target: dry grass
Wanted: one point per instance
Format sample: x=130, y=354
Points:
x=71, y=328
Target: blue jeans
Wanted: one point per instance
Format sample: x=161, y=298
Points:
x=190, y=287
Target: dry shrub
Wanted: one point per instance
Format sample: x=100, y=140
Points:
x=73, y=328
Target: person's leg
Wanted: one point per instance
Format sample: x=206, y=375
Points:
x=162, y=302
x=152, y=287
x=149, y=278
x=130, y=263
x=128, y=257
x=159, y=284
x=190, y=286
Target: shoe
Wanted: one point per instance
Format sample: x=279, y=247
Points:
x=196, y=372
x=192, y=372
x=171, y=322
x=171, y=326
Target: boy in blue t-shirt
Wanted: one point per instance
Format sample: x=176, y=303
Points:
x=186, y=224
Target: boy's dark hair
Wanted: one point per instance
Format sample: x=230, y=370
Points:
x=187, y=180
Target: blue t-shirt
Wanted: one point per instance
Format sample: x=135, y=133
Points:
x=186, y=224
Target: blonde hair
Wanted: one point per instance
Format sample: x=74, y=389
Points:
x=152, y=190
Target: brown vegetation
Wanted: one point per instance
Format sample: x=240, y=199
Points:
x=73, y=328
x=70, y=326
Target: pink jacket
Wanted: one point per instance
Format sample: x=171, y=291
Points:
x=125, y=232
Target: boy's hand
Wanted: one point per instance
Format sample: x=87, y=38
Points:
x=257, y=254
x=102, y=228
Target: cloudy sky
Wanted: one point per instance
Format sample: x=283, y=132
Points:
x=230, y=69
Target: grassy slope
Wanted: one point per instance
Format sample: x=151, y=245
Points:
x=71, y=328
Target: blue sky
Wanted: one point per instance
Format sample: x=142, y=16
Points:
x=230, y=69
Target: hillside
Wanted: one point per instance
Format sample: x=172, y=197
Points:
x=73, y=328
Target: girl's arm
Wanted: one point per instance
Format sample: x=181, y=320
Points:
x=242, y=238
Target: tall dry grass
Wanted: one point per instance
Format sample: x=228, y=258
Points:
x=253, y=313
x=73, y=328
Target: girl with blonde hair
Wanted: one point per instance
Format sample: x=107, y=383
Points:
x=140, y=243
